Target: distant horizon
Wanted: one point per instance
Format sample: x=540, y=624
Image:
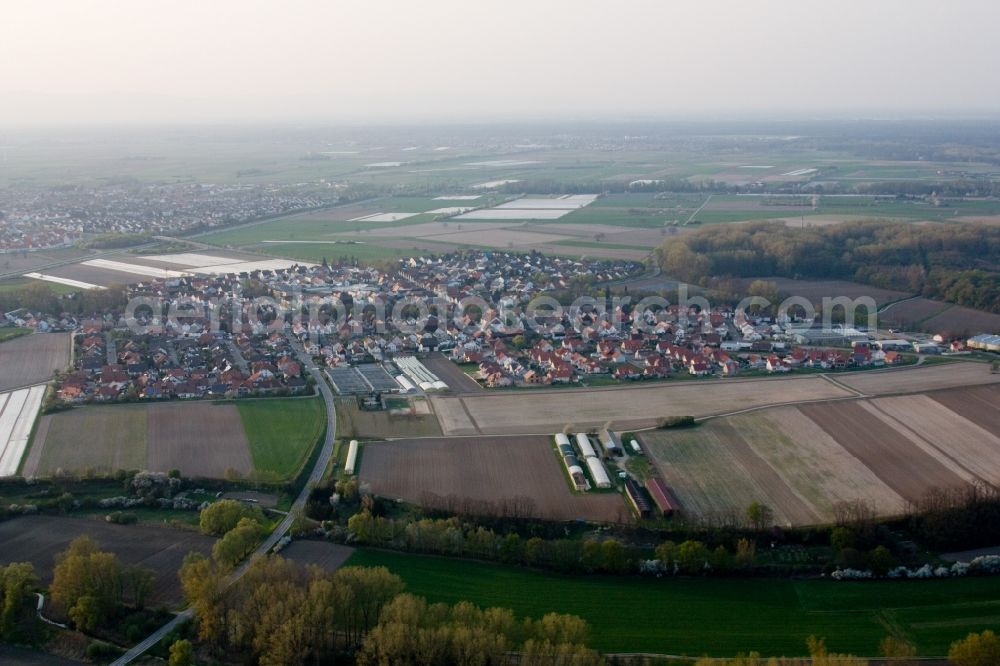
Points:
x=442, y=61
x=704, y=117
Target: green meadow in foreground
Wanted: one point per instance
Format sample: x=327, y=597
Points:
x=715, y=616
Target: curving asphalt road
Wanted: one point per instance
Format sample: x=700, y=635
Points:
x=326, y=453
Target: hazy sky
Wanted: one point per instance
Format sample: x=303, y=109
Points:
x=139, y=60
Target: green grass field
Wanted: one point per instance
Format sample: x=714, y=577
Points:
x=715, y=616
x=15, y=284
x=11, y=333
x=362, y=252
x=282, y=432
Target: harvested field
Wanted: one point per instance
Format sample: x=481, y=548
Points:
x=500, y=238
x=816, y=290
x=595, y=251
x=907, y=314
x=973, y=449
x=102, y=277
x=980, y=405
x=887, y=452
x=38, y=539
x=915, y=379
x=32, y=359
x=548, y=410
x=353, y=422
x=327, y=556
x=32, y=261
x=200, y=439
x=714, y=474
x=519, y=473
x=812, y=463
x=961, y=321
x=103, y=438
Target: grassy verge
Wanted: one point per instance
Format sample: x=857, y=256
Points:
x=282, y=432
x=714, y=616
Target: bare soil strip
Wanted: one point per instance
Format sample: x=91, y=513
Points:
x=902, y=465
x=980, y=405
x=974, y=448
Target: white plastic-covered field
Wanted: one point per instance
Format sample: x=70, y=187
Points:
x=569, y=202
x=514, y=214
x=490, y=184
x=134, y=269
x=189, y=259
x=18, y=410
x=250, y=266
x=503, y=163
x=459, y=197
x=65, y=281
x=384, y=217
x=449, y=210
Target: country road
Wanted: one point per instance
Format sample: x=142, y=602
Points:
x=319, y=469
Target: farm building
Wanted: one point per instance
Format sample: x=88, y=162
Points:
x=637, y=498
x=571, y=462
x=583, y=442
x=662, y=497
x=611, y=442
x=352, y=457
x=894, y=345
x=405, y=384
x=596, y=467
x=985, y=342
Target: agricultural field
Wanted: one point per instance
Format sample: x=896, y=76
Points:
x=102, y=438
x=323, y=554
x=484, y=471
x=816, y=290
x=198, y=438
x=38, y=539
x=802, y=460
x=356, y=423
x=638, y=406
x=915, y=379
x=32, y=359
x=18, y=410
x=683, y=615
x=282, y=433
